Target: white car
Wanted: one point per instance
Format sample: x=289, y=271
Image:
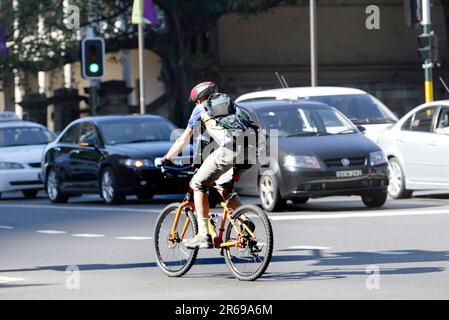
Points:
x=21, y=147
x=418, y=155
x=357, y=105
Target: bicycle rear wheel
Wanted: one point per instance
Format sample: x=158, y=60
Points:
x=250, y=260
x=171, y=255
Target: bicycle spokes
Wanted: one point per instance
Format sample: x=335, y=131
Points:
x=173, y=257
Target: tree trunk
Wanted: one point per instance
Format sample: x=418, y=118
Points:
x=9, y=90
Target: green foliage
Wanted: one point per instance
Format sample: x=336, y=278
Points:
x=38, y=38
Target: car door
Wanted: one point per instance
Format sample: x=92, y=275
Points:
x=88, y=157
x=64, y=162
x=439, y=150
x=414, y=144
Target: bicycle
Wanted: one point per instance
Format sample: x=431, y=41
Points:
x=244, y=237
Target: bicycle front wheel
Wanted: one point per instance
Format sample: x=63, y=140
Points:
x=250, y=259
x=171, y=254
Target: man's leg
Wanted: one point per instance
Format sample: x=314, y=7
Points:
x=201, y=199
x=212, y=168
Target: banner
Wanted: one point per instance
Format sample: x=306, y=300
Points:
x=144, y=11
x=3, y=47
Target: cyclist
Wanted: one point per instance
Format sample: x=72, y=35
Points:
x=216, y=170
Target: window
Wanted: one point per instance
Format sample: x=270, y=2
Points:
x=72, y=134
x=24, y=136
x=422, y=120
x=407, y=124
x=306, y=121
x=359, y=108
x=89, y=134
x=136, y=130
x=443, y=122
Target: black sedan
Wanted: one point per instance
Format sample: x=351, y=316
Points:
x=320, y=153
x=111, y=155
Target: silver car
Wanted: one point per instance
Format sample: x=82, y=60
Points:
x=418, y=150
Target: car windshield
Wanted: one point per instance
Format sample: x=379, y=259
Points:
x=359, y=108
x=123, y=131
x=307, y=121
x=24, y=136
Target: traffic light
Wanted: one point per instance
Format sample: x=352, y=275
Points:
x=413, y=13
x=92, y=58
x=428, y=48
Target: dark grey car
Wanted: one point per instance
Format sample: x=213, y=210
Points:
x=320, y=153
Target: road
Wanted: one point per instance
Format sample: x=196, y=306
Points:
x=330, y=248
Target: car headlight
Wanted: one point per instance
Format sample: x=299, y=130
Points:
x=137, y=163
x=310, y=162
x=377, y=158
x=10, y=165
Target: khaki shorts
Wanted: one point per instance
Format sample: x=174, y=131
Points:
x=216, y=171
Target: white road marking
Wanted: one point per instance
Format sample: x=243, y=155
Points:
x=309, y=248
x=6, y=227
x=389, y=253
x=386, y=213
x=79, y=208
x=88, y=235
x=51, y=231
x=9, y=279
x=133, y=238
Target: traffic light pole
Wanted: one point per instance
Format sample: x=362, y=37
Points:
x=428, y=65
x=313, y=46
x=92, y=30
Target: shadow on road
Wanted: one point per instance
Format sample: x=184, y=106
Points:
x=332, y=274
x=317, y=259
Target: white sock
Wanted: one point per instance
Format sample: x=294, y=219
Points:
x=203, y=226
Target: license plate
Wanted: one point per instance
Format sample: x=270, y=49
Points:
x=349, y=174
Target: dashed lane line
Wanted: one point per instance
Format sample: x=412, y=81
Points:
x=9, y=279
x=88, y=235
x=133, y=238
x=51, y=231
x=6, y=227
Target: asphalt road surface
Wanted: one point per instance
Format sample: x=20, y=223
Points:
x=330, y=248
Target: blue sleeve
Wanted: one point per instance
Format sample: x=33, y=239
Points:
x=195, y=118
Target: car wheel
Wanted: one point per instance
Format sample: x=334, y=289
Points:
x=375, y=200
x=53, y=187
x=269, y=194
x=144, y=195
x=300, y=200
x=396, y=186
x=30, y=194
x=109, y=190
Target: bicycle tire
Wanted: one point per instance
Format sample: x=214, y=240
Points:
x=247, y=210
x=185, y=267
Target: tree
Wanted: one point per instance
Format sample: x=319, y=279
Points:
x=39, y=39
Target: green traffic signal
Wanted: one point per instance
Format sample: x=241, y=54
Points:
x=94, y=67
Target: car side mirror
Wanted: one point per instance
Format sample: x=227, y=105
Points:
x=362, y=129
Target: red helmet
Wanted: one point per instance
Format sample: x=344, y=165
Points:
x=203, y=90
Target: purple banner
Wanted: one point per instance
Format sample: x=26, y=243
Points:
x=3, y=48
x=149, y=12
